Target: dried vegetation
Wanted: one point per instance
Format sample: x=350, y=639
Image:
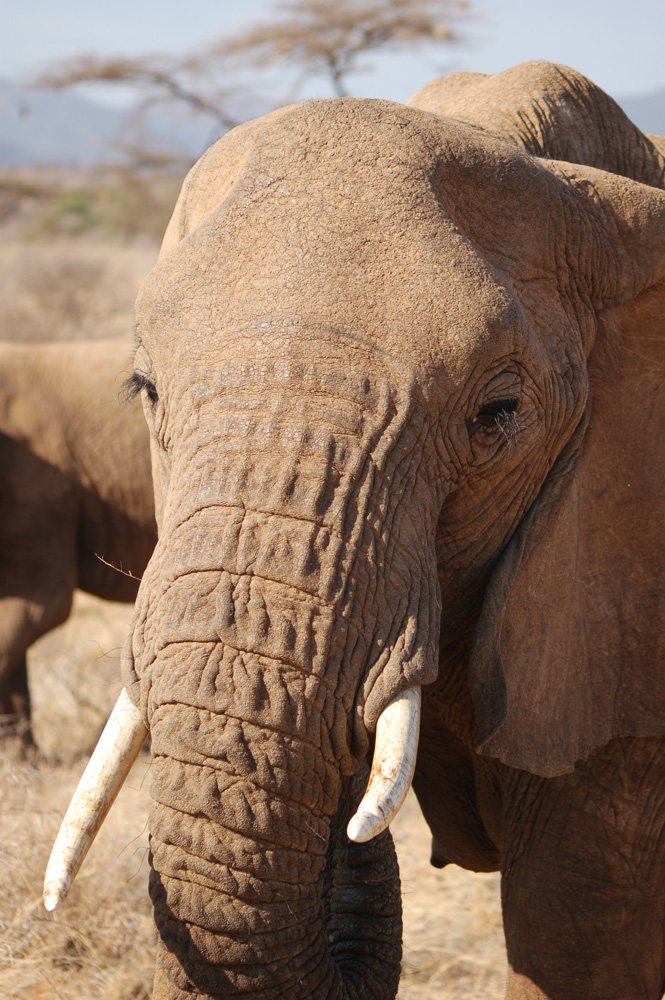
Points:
x=74, y=248
x=57, y=284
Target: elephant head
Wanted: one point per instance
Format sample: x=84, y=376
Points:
x=368, y=355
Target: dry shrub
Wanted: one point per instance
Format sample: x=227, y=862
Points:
x=130, y=207
x=74, y=248
x=21, y=192
x=112, y=203
x=99, y=945
x=69, y=290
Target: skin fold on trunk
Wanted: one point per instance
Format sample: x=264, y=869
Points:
x=246, y=905
x=257, y=889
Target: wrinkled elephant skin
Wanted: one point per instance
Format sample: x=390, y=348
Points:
x=401, y=367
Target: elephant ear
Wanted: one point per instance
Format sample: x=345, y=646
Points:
x=569, y=650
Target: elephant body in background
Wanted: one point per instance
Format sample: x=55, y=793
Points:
x=402, y=370
x=76, y=505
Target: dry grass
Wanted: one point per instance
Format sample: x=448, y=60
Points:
x=99, y=945
x=453, y=934
x=69, y=289
x=39, y=204
x=74, y=249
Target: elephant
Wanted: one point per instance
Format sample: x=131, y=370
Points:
x=76, y=499
x=402, y=367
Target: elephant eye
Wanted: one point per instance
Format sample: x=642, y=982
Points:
x=499, y=414
x=136, y=382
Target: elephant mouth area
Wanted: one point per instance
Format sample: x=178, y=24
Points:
x=215, y=919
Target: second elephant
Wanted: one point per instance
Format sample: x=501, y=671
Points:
x=76, y=504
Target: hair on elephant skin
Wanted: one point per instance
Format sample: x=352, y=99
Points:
x=402, y=367
x=76, y=503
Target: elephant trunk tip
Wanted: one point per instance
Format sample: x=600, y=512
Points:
x=394, y=762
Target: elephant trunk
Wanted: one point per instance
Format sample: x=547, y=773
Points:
x=289, y=600
x=393, y=766
x=256, y=889
x=250, y=687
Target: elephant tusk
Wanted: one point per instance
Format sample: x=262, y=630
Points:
x=112, y=758
x=392, y=768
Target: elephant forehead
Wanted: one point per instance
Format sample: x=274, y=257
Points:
x=388, y=158
x=422, y=300
x=333, y=169
x=364, y=216
x=291, y=144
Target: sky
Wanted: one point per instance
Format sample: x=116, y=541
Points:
x=619, y=45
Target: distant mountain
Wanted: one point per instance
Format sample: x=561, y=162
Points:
x=40, y=127
x=647, y=112
x=43, y=127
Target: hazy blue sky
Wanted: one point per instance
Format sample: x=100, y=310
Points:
x=620, y=45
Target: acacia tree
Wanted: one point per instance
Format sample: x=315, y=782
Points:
x=327, y=38
x=191, y=80
x=330, y=37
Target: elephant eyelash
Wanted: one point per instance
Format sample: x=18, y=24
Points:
x=501, y=414
x=135, y=384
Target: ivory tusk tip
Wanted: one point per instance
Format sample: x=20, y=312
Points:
x=394, y=762
x=365, y=825
x=116, y=751
x=53, y=896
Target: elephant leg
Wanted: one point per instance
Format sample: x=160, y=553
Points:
x=22, y=622
x=583, y=886
x=15, y=704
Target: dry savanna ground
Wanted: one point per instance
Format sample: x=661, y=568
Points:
x=72, y=251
